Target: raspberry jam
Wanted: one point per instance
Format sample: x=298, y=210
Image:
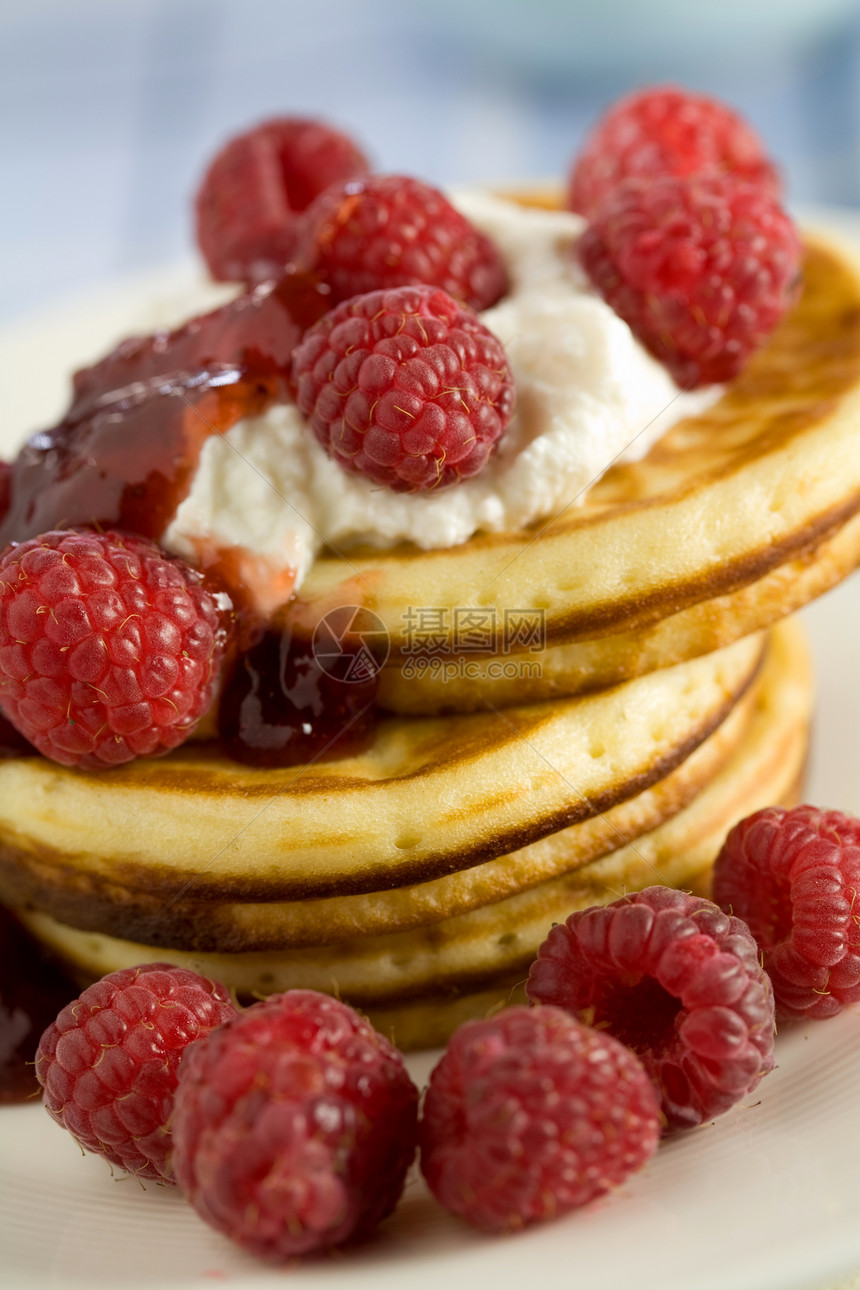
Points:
x=124, y=456
x=286, y=703
x=12, y=744
x=32, y=992
x=125, y=453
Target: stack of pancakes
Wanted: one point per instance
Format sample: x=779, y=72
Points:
x=658, y=705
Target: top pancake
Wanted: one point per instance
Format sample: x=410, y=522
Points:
x=733, y=519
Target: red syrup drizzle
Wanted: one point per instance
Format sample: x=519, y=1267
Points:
x=124, y=456
x=32, y=991
x=282, y=707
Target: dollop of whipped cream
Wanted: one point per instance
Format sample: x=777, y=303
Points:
x=588, y=395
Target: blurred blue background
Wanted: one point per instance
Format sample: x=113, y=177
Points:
x=111, y=108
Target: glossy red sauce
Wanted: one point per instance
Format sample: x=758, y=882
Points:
x=125, y=453
x=281, y=707
x=32, y=992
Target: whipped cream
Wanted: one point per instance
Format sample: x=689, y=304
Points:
x=588, y=394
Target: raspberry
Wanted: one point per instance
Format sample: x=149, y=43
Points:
x=530, y=1114
x=666, y=131
x=108, y=649
x=392, y=231
x=294, y=1126
x=108, y=1065
x=702, y=269
x=794, y=876
x=405, y=387
x=254, y=189
x=676, y=980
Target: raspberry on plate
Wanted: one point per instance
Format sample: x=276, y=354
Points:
x=666, y=131
x=676, y=980
x=109, y=649
x=405, y=387
x=530, y=1114
x=294, y=1126
x=393, y=231
x=108, y=1064
x=701, y=268
x=248, y=204
x=794, y=877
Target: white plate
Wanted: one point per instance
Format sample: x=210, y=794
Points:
x=767, y=1198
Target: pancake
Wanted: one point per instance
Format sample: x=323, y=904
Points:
x=605, y=660
x=429, y=797
x=263, y=925
x=422, y=983
x=734, y=518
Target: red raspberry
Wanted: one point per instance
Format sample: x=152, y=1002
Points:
x=794, y=876
x=391, y=231
x=108, y=1065
x=702, y=269
x=530, y=1114
x=108, y=649
x=676, y=980
x=666, y=131
x=405, y=387
x=294, y=1126
x=248, y=202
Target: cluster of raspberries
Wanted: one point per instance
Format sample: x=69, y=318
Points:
x=109, y=650
x=291, y=1125
x=401, y=383
x=686, y=240
x=686, y=237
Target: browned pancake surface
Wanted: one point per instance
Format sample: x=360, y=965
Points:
x=430, y=797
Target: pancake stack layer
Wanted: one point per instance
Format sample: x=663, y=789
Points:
x=417, y=879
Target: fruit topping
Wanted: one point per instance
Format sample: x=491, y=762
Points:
x=281, y=706
x=794, y=877
x=393, y=231
x=676, y=980
x=254, y=189
x=255, y=333
x=405, y=387
x=702, y=269
x=530, y=1114
x=109, y=649
x=32, y=992
x=294, y=1126
x=108, y=1065
x=666, y=131
x=145, y=411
